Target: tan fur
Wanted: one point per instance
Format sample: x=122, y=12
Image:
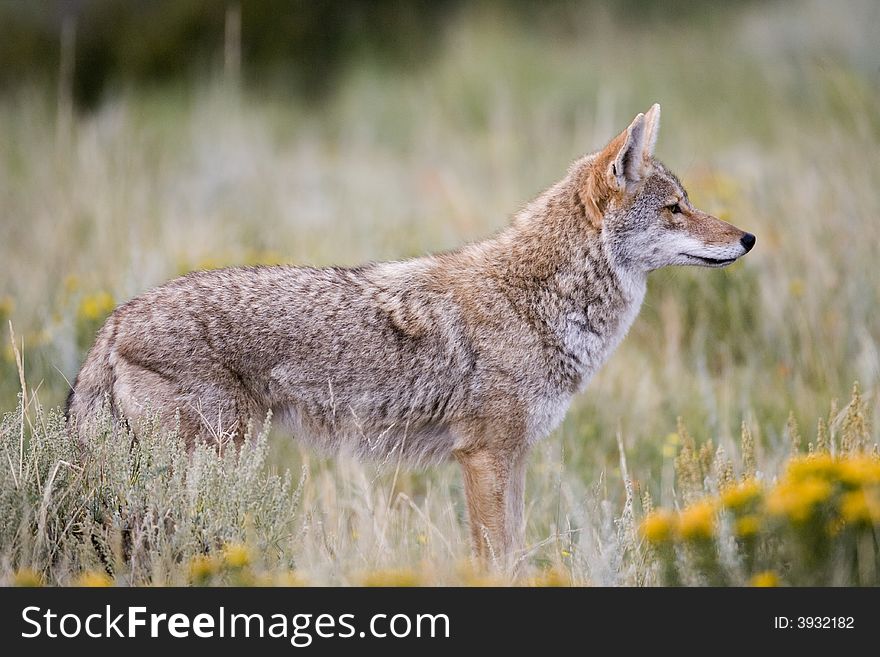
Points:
x=473, y=354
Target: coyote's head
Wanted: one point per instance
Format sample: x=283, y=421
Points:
x=643, y=211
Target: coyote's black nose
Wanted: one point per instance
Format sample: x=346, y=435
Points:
x=748, y=241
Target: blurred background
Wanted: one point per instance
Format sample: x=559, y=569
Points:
x=143, y=139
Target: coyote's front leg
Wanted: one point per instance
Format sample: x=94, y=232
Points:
x=494, y=483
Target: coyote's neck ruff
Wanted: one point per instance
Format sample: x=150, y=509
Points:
x=567, y=282
x=474, y=354
x=570, y=298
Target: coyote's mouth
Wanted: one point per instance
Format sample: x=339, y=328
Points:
x=711, y=262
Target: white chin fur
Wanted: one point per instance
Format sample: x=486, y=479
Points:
x=691, y=251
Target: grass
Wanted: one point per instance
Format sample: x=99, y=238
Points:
x=768, y=117
x=817, y=524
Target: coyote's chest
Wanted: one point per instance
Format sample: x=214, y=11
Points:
x=588, y=336
x=604, y=328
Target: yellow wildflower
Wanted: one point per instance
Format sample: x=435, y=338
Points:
x=747, y=526
x=659, y=526
x=819, y=465
x=391, y=577
x=236, y=555
x=93, y=579
x=202, y=566
x=741, y=495
x=697, y=521
x=797, y=500
x=27, y=577
x=860, y=506
x=765, y=579
x=71, y=283
x=552, y=577
x=859, y=470
x=96, y=306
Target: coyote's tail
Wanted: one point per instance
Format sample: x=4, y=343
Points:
x=93, y=387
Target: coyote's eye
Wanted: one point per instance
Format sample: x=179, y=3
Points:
x=675, y=208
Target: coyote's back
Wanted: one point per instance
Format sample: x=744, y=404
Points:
x=369, y=358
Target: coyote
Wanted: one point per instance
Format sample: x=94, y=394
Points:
x=473, y=354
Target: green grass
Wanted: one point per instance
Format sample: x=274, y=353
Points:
x=769, y=118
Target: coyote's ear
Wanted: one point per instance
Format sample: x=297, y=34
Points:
x=652, y=127
x=629, y=154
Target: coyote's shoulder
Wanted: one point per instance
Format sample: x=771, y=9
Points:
x=474, y=353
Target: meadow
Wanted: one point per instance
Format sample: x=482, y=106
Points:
x=732, y=397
